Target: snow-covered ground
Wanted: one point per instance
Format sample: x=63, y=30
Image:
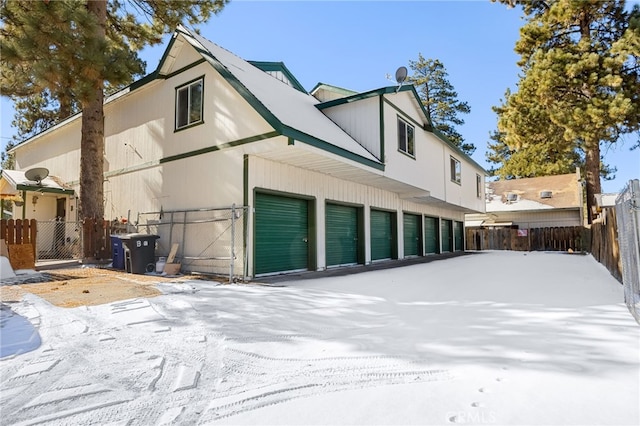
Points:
x=489, y=338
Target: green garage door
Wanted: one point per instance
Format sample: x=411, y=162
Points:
x=381, y=235
x=281, y=234
x=341, y=234
x=431, y=235
x=458, y=230
x=412, y=231
x=447, y=235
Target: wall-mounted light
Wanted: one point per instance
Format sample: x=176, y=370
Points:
x=34, y=199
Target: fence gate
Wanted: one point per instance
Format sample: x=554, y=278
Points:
x=59, y=240
x=628, y=216
x=209, y=241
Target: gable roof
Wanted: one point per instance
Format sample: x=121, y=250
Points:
x=13, y=181
x=564, y=191
x=289, y=111
x=427, y=123
x=269, y=67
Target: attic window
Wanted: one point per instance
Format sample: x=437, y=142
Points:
x=546, y=194
x=456, y=170
x=189, y=104
x=406, y=137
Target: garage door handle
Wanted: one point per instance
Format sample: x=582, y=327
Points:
x=305, y=239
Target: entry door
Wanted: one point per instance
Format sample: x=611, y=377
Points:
x=412, y=235
x=281, y=234
x=431, y=235
x=341, y=235
x=382, y=238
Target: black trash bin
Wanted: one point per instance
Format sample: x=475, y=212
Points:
x=139, y=252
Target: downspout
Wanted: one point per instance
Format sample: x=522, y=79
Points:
x=24, y=204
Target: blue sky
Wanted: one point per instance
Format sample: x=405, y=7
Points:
x=356, y=44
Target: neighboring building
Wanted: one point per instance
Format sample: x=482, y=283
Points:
x=353, y=179
x=45, y=199
x=540, y=202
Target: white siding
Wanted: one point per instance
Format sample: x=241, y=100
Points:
x=361, y=120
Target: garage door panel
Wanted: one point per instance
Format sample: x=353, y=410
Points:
x=447, y=235
x=381, y=235
x=458, y=238
x=341, y=234
x=411, y=233
x=281, y=236
x=431, y=235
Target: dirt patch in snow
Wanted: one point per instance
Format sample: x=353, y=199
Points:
x=73, y=287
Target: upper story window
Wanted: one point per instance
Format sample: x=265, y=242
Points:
x=189, y=103
x=456, y=171
x=478, y=186
x=406, y=138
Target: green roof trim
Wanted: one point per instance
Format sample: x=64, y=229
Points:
x=363, y=95
x=279, y=66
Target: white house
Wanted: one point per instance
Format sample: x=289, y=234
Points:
x=331, y=178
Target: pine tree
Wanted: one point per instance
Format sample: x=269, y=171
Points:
x=580, y=86
x=70, y=49
x=440, y=99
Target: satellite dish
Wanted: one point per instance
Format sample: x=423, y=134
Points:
x=401, y=75
x=37, y=174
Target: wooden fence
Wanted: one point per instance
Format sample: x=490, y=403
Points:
x=604, y=242
x=19, y=231
x=96, y=239
x=573, y=238
x=600, y=239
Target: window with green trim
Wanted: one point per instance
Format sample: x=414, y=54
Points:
x=456, y=171
x=406, y=138
x=189, y=104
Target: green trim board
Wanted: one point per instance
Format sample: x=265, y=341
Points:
x=219, y=147
x=279, y=66
x=381, y=101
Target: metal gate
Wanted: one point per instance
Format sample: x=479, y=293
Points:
x=210, y=241
x=628, y=218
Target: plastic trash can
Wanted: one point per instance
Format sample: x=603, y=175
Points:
x=139, y=252
x=117, y=252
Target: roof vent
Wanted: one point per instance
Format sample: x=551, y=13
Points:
x=511, y=197
x=546, y=194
